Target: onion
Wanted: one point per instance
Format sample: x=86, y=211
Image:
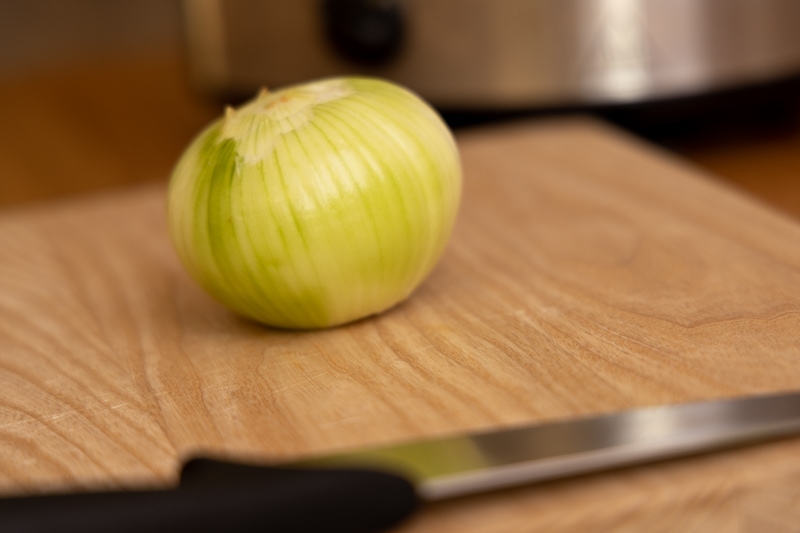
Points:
x=318, y=204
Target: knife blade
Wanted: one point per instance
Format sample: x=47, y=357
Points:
x=459, y=465
x=375, y=488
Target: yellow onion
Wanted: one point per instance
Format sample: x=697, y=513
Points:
x=318, y=204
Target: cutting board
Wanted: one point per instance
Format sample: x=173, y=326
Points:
x=588, y=273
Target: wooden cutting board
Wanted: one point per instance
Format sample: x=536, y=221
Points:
x=588, y=273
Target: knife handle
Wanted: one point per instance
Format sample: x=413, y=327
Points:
x=241, y=499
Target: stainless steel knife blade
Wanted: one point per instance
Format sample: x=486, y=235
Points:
x=463, y=464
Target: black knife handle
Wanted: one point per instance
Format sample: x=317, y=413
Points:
x=243, y=499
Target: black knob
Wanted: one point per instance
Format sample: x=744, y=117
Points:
x=369, y=32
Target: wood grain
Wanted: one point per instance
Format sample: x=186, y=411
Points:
x=588, y=273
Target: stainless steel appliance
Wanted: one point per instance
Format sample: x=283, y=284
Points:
x=498, y=54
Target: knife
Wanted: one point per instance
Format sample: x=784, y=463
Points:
x=376, y=488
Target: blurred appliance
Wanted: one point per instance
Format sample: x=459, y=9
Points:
x=498, y=54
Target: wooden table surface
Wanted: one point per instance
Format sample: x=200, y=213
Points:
x=589, y=273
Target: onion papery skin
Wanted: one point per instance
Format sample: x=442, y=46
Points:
x=318, y=204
